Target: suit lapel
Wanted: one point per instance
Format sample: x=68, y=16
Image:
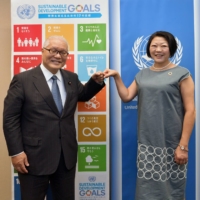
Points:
x=40, y=83
x=68, y=88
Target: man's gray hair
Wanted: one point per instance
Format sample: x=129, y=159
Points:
x=47, y=41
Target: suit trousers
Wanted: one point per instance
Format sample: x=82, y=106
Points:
x=61, y=182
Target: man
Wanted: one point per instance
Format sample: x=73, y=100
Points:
x=40, y=131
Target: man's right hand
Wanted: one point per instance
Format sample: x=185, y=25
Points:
x=20, y=162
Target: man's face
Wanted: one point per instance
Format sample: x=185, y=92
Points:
x=54, y=62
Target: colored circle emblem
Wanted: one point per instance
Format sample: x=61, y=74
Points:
x=79, y=8
x=26, y=11
x=88, y=193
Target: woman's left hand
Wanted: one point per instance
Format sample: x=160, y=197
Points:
x=180, y=156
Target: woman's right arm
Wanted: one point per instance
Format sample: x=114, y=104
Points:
x=126, y=94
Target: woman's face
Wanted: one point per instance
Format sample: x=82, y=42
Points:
x=159, y=50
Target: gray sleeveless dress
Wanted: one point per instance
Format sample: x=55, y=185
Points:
x=160, y=119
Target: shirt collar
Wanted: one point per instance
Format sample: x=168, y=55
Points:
x=48, y=74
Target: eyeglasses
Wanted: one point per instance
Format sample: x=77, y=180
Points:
x=54, y=52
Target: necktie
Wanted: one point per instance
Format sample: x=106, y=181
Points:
x=56, y=94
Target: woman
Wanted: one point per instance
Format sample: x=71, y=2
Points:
x=166, y=115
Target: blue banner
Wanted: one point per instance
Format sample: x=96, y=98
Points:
x=138, y=20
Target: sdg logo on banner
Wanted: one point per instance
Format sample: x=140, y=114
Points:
x=92, y=187
x=92, y=37
x=91, y=158
x=27, y=38
x=88, y=64
x=91, y=128
x=25, y=62
x=95, y=104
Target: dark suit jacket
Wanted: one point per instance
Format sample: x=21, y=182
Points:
x=32, y=123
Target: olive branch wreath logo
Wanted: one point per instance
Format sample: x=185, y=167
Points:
x=26, y=11
x=176, y=59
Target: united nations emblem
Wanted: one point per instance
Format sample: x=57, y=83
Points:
x=92, y=178
x=143, y=61
x=26, y=11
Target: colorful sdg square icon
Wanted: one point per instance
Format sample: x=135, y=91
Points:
x=91, y=158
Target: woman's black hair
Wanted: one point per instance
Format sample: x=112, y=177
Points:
x=168, y=37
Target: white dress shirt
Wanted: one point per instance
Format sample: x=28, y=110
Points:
x=60, y=81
